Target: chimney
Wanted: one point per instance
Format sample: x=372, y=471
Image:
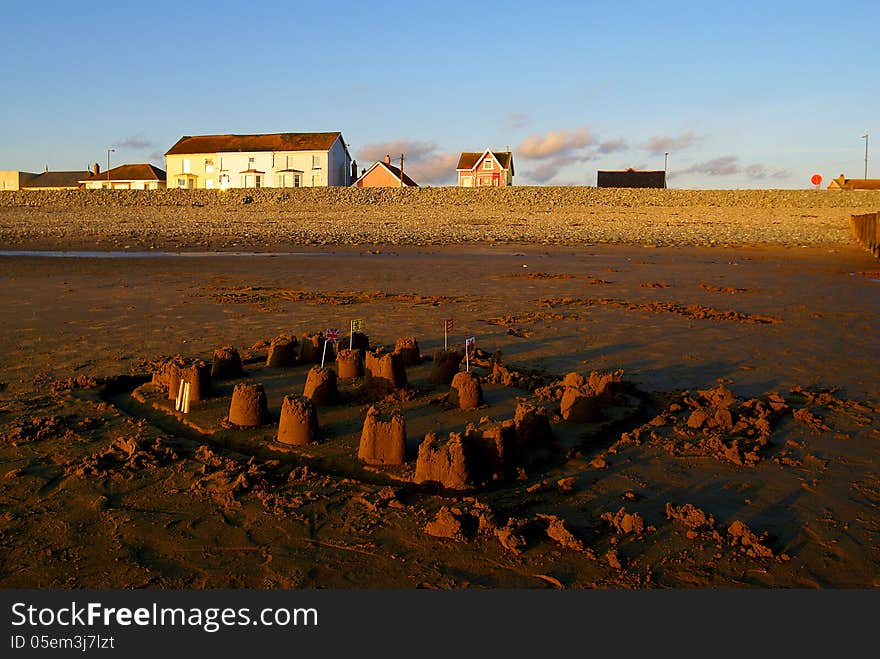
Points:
x=387, y=158
x=363, y=171
x=354, y=170
x=96, y=169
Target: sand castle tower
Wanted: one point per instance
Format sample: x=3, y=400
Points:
x=445, y=366
x=226, y=364
x=387, y=366
x=283, y=351
x=466, y=391
x=383, y=442
x=408, y=349
x=248, y=408
x=298, y=425
x=349, y=364
x=321, y=386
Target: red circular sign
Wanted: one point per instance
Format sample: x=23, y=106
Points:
x=816, y=179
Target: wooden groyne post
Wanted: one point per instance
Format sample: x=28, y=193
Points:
x=866, y=229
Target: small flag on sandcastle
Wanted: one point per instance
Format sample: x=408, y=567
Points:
x=357, y=325
x=469, y=343
x=448, y=324
x=330, y=336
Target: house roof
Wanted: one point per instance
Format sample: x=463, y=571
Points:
x=856, y=183
x=243, y=143
x=138, y=172
x=469, y=159
x=56, y=180
x=395, y=172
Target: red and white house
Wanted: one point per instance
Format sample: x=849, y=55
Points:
x=489, y=169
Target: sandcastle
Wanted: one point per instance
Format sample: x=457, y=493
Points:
x=298, y=425
x=383, y=442
x=226, y=364
x=445, y=365
x=248, y=408
x=359, y=341
x=320, y=386
x=349, y=364
x=310, y=348
x=194, y=372
x=408, y=349
x=466, y=391
x=282, y=352
x=387, y=366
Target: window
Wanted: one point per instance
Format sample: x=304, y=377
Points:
x=297, y=180
x=316, y=162
x=209, y=166
x=252, y=163
x=209, y=184
x=487, y=163
x=186, y=166
x=467, y=182
x=181, y=183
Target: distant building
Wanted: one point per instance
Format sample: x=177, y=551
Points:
x=56, y=181
x=843, y=183
x=126, y=177
x=382, y=174
x=277, y=160
x=11, y=180
x=630, y=178
x=487, y=169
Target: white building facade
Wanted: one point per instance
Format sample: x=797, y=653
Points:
x=277, y=160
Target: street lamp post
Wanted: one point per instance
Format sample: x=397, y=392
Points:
x=865, y=137
x=109, y=151
x=665, y=168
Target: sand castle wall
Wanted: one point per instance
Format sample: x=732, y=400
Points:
x=387, y=366
x=349, y=364
x=445, y=365
x=408, y=348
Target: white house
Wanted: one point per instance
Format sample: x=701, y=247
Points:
x=277, y=160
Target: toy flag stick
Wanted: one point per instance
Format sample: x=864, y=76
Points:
x=324, y=353
x=468, y=342
x=179, y=402
x=186, y=398
x=351, y=336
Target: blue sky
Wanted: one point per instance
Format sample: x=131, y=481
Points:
x=741, y=94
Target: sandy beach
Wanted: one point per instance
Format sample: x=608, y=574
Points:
x=736, y=445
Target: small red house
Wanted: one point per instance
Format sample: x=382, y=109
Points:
x=489, y=169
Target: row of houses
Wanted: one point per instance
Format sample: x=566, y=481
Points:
x=277, y=160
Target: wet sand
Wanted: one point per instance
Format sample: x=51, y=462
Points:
x=98, y=491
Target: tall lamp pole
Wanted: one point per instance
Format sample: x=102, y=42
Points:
x=109, y=151
x=665, y=168
x=865, y=137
